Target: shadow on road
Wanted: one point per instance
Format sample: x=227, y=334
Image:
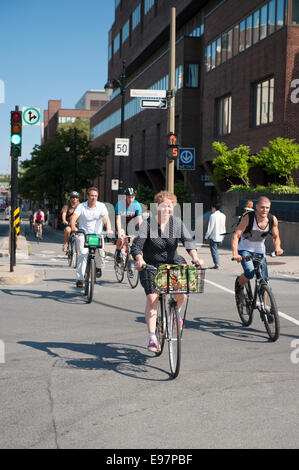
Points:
x=125, y=359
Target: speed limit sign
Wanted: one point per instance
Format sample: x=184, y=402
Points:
x=121, y=147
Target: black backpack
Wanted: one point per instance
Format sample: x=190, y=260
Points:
x=251, y=216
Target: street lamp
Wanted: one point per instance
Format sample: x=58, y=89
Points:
x=110, y=86
x=67, y=148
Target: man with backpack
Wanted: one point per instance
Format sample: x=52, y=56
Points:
x=250, y=236
x=38, y=218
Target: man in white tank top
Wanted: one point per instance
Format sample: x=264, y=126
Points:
x=243, y=245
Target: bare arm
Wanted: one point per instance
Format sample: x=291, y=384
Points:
x=73, y=221
x=63, y=214
x=276, y=237
x=118, y=225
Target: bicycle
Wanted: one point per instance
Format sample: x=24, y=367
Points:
x=169, y=324
x=38, y=234
x=71, y=251
x=126, y=265
x=92, y=242
x=261, y=299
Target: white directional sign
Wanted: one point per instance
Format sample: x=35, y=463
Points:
x=148, y=93
x=121, y=147
x=186, y=160
x=114, y=185
x=153, y=104
x=31, y=116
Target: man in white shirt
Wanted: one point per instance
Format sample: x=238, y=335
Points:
x=91, y=214
x=216, y=227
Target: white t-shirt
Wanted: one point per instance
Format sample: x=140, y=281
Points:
x=91, y=220
x=216, y=226
x=41, y=213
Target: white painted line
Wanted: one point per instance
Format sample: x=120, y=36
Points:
x=281, y=314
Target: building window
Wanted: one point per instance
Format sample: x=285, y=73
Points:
x=271, y=17
x=148, y=4
x=263, y=26
x=116, y=2
x=248, y=32
x=256, y=26
x=208, y=58
x=242, y=36
x=116, y=44
x=125, y=31
x=191, y=75
x=263, y=102
x=295, y=12
x=229, y=44
x=280, y=14
x=136, y=17
x=224, y=116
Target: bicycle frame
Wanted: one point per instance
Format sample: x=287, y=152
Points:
x=258, y=281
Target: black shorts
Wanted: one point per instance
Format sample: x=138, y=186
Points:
x=147, y=276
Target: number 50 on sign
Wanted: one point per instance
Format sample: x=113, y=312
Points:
x=121, y=147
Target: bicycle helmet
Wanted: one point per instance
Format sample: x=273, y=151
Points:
x=74, y=194
x=130, y=192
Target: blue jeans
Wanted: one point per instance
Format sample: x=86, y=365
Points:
x=214, y=251
x=248, y=266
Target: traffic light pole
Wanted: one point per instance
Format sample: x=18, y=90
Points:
x=13, y=205
x=171, y=110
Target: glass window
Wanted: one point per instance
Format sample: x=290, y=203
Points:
x=271, y=17
x=126, y=31
x=256, y=26
x=218, y=51
x=224, y=41
x=116, y=44
x=148, y=4
x=136, y=17
x=280, y=14
x=116, y=2
x=295, y=12
x=213, y=55
x=191, y=75
x=263, y=102
x=249, y=31
x=224, y=108
x=236, y=40
x=208, y=58
x=263, y=28
x=242, y=36
x=230, y=44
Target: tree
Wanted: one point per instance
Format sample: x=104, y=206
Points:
x=182, y=192
x=233, y=163
x=50, y=171
x=280, y=157
x=145, y=195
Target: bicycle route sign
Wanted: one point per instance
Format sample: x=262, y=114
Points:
x=31, y=116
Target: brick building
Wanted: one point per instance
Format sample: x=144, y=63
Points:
x=236, y=68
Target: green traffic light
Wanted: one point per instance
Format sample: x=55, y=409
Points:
x=16, y=139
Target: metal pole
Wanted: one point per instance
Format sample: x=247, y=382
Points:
x=75, y=161
x=122, y=123
x=171, y=109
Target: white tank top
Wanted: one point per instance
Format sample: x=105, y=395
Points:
x=254, y=241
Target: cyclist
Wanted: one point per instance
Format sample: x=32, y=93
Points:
x=66, y=213
x=91, y=216
x=128, y=208
x=156, y=244
x=38, y=219
x=250, y=236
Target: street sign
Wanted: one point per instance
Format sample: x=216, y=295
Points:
x=121, y=147
x=154, y=104
x=186, y=160
x=148, y=93
x=114, y=185
x=31, y=116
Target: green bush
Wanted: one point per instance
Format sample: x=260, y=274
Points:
x=272, y=189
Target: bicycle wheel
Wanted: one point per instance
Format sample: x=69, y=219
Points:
x=132, y=274
x=69, y=253
x=161, y=325
x=75, y=255
x=89, y=280
x=119, y=269
x=269, y=312
x=243, y=303
x=174, y=340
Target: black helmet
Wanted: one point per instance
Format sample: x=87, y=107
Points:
x=130, y=192
x=74, y=194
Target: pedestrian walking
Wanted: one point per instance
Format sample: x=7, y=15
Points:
x=216, y=229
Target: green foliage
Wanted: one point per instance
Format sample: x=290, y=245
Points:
x=50, y=171
x=145, y=195
x=233, y=163
x=182, y=192
x=271, y=189
x=280, y=157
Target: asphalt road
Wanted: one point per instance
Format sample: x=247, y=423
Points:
x=79, y=376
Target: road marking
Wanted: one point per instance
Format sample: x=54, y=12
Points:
x=281, y=314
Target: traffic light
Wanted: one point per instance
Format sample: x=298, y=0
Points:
x=16, y=133
x=173, y=146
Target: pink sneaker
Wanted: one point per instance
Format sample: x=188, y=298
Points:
x=153, y=346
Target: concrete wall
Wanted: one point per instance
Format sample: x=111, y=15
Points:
x=289, y=231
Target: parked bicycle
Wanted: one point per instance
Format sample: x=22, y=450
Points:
x=261, y=299
x=169, y=325
x=126, y=265
x=93, y=242
x=71, y=251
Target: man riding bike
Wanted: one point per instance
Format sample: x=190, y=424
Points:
x=250, y=236
x=66, y=213
x=38, y=219
x=127, y=208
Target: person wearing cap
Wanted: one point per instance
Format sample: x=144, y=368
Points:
x=126, y=209
x=66, y=213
